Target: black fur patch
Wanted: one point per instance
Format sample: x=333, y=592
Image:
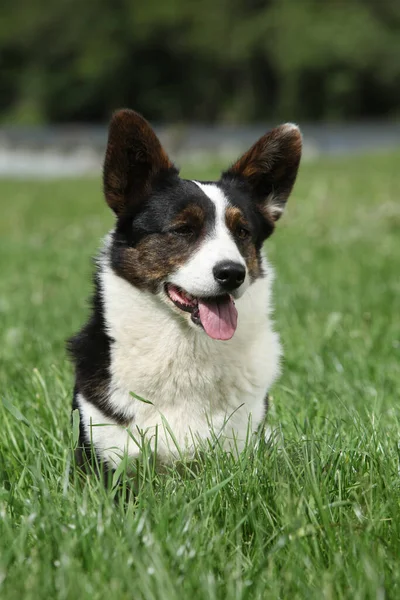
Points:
x=90, y=352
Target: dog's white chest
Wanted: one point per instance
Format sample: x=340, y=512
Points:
x=192, y=387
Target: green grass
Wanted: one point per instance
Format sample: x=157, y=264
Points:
x=316, y=517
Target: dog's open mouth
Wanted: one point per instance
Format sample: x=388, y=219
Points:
x=217, y=315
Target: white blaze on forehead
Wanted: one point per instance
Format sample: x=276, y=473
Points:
x=196, y=276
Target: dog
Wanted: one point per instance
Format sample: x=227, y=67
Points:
x=180, y=347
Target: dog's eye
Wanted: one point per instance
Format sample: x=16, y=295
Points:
x=242, y=232
x=183, y=230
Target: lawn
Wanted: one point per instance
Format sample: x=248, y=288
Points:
x=316, y=516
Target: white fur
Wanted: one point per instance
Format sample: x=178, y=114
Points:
x=196, y=276
x=198, y=387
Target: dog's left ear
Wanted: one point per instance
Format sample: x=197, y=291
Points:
x=270, y=169
x=134, y=158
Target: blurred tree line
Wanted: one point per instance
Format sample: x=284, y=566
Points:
x=179, y=60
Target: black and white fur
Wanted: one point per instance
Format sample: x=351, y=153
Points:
x=170, y=237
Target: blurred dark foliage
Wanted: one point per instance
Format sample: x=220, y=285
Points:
x=179, y=60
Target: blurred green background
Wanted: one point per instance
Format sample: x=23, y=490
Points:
x=318, y=516
x=230, y=61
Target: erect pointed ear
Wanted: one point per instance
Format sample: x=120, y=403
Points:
x=134, y=157
x=270, y=168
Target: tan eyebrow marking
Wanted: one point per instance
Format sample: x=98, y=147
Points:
x=234, y=217
x=192, y=214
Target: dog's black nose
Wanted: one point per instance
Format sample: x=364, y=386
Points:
x=230, y=275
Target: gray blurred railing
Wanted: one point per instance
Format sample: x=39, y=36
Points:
x=78, y=150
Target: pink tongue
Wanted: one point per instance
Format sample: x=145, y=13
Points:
x=218, y=317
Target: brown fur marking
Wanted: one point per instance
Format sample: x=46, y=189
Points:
x=192, y=215
x=234, y=219
x=156, y=256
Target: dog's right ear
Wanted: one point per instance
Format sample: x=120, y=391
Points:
x=270, y=168
x=134, y=157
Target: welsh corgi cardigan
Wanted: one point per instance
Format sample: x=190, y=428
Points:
x=180, y=347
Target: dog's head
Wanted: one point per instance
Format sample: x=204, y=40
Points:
x=196, y=245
